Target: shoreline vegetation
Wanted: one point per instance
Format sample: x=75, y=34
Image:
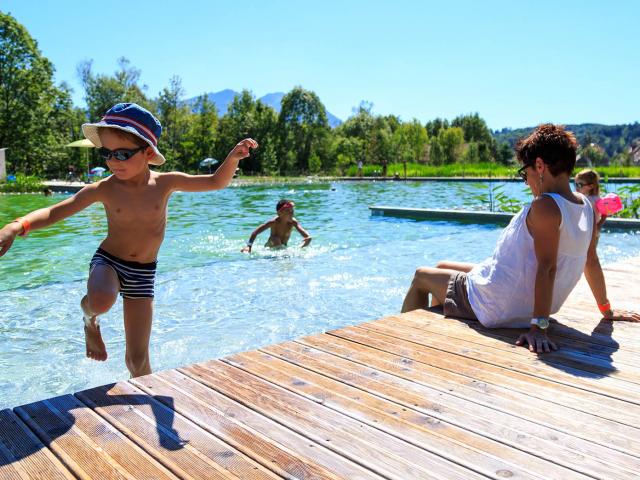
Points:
x=483, y=171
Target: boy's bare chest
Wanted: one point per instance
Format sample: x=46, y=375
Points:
x=282, y=229
x=146, y=206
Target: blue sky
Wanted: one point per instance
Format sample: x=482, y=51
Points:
x=516, y=63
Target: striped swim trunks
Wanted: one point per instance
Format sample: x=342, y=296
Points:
x=136, y=279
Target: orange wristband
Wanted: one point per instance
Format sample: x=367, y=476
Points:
x=26, y=226
x=605, y=307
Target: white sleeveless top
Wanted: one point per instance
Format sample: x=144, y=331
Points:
x=501, y=289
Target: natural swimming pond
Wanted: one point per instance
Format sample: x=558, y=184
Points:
x=211, y=300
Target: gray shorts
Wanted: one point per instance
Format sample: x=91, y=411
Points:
x=456, y=303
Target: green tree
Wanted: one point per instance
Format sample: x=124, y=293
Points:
x=380, y=148
x=32, y=109
x=594, y=154
x=304, y=129
x=504, y=153
x=201, y=136
x=104, y=91
x=411, y=141
x=351, y=138
x=346, y=151
x=475, y=128
x=248, y=117
x=434, y=126
x=63, y=125
x=450, y=141
x=175, y=118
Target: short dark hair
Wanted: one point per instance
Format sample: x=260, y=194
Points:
x=126, y=135
x=555, y=145
x=281, y=203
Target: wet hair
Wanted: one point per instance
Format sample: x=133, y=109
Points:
x=589, y=177
x=553, y=144
x=126, y=135
x=281, y=203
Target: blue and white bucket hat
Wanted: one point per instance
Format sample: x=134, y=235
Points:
x=132, y=118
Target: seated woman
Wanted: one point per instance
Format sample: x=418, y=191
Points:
x=539, y=258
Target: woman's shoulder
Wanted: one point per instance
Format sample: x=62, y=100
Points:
x=545, y=209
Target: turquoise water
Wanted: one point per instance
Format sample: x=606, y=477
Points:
x=211, y=300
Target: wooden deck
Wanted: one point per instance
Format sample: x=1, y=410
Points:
x=406, y=397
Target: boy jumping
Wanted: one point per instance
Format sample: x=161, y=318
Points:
x=135, y=200
x=281, y=226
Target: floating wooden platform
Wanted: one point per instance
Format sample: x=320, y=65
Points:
x=514, y=179
x=482, y=217
x=411, y=396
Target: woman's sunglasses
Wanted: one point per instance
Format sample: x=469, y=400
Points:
x=522, y=171
x=580, y=184
x=120, y=154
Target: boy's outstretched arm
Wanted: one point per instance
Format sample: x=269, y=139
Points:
x=306, y=238
x=595, y=279
x=184, y=182
x=48, y=216
x=255, y=233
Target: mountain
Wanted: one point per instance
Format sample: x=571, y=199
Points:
x=223, y=98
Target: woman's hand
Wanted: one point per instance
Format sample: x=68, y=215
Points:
x=620, y=315
x=537, y=340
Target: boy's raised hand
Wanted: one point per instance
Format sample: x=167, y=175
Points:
x=7, y=235
x=242, y=149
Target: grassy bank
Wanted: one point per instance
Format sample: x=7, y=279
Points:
x=472, y=170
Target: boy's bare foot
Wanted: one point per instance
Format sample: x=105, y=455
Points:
x=96, y=350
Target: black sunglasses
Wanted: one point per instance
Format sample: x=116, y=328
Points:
x=120, y=154
x=522, y=171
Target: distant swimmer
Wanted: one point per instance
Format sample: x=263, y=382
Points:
x=281, y=226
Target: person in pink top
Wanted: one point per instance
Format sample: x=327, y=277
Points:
x=539, y=257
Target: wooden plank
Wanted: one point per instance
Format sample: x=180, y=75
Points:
x=444, y=439
x=77, y=450
x=180, y=445
x=531, y=365
x=100, y=438
x=529, y=408
x=482, y=382
x=355, y=440
x=612, y=336
x=23, y=456
x=605, y=406
x=448, y=330
x=274, y=446
x=529, y=435
x=578, y=347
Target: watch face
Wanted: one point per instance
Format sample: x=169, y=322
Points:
x=543, y=323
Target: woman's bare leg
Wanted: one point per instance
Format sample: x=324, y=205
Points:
x=450, y=265
x=457, y=266
x=427, y=280
x=138, y=314
x=102, y=291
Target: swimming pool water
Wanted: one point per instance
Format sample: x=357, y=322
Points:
x=211, y=300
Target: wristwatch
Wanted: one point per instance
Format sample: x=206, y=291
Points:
x=541, y=322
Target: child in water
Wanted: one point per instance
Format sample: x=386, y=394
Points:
x=135, y=201
x=281, y=226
